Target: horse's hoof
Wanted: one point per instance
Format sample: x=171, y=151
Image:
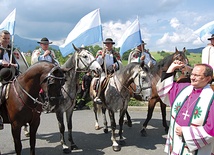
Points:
x=116, y=148
x=122, y=142
x=105, y=130
x=74, y=147
x=129, y=123
x=66, y=151
x=143, y=133
x=97, y=128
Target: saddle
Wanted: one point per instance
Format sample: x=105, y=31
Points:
x=104, y=83
x=4, y=90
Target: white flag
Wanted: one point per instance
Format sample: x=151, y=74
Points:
x=131, y=38
x=205, y=29
x=87, y=31
x=9, y=23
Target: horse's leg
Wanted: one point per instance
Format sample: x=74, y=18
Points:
x=16, y=132
x=151, y=106
x=59, y=116
x=122, y=114
x=129, y=121
x=105, y=123
x=69, y=113
x=115, y=145
x=33, y=129
x=163, y=111
x=97, y=127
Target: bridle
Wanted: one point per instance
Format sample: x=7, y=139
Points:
x=141, y=80
x=47, y=80
x=136, y=76
x=78, y=59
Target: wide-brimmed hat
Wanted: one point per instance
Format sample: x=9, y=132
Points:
x=212, y=37
x=109, y=40
x=143, y=43
x=7, y=74
x=44, y=41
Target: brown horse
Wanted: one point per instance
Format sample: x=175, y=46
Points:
x=21, y=104
x=156, y=71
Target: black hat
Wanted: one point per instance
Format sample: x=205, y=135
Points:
x=212, y=37
x=108, y=40
x=143, y=43
x=44, y=41
x=7, y=74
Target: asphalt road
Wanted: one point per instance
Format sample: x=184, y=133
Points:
x=89, y=140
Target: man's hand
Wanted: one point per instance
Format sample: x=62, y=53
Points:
x=5, y=63
x=176, y=64
x=47, y=52
x=178, y=131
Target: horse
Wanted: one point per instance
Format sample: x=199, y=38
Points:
x=20, y=101
x=80, y=61
x=116, y=96
x=156, y=71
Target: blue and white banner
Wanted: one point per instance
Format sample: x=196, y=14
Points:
x=205, y=29
x=131, y=38
x=9, y=23
x=87, y=32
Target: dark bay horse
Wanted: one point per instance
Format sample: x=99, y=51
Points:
x=21, y=104
x=156, y=71
x=80, y=61
x=116, y=96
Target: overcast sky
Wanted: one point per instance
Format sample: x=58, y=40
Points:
x=165, y=24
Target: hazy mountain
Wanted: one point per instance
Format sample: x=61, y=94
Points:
x=196, y=50
x=26, y=44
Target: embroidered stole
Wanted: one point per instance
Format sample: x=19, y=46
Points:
x=198, y=117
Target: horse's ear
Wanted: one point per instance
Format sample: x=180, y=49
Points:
x=76, y=49
x=184, y=50
x=176, y=50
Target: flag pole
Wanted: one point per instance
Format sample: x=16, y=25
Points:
x=11, y=53
x=104, y=60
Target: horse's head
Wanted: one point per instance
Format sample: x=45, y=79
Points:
x=85, y=60
x=142, y=82
x=52, y=84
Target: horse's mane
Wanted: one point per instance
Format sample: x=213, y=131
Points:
x=125, y=68
x=162, y=65
x=70, y=63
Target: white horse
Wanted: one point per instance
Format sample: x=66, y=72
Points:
x=116, y=95
x=80, y=61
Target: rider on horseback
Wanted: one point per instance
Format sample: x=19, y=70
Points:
x=8, y=68
x=108, y=59
x=140, y=53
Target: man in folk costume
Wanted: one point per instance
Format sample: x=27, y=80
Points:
x=108, y=59
x=140, y=53
x=208, y=52
x=8, y=65
x=43, y=53
x=192, y=111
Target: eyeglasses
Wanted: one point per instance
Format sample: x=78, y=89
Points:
x=196, y=75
